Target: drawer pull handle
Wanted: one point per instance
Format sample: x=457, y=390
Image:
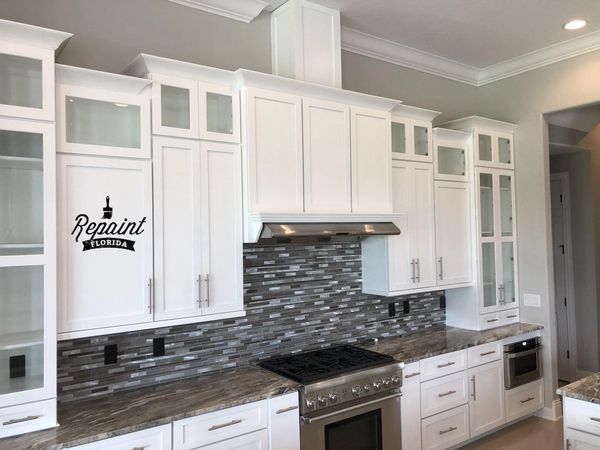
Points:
x=141, y=448
x=223, y=425
x=414, y=374
x=528, y=400
x=448, y=430
x=492, y=320
x=491, y=352
x=447, y=393
x=441, y=366
x=288, y=409
x=512, y=316
x=595, y=419
x=22, y=419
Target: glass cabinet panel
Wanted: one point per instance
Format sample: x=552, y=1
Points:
x=485, y=147
x=486, y=197
x=508, y=273
x=488, y=258
x=506, y=206
x=219, y=113
x=21, y=328
x=421, y=140
x=175, y=106
x=504, y=150
x=96, y=122
x=20, y=81
x=21, y=193
x=451, y=160
x=398, y=137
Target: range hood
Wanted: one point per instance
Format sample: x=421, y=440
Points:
x=324, y=230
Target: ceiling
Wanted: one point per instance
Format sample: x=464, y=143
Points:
x=478, y=33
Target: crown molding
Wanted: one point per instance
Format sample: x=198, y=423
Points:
x=242, y=10
x=374, y=47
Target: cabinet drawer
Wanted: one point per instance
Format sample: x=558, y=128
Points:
x=576, y=440
x=411, y=374
x=581, y=415
x=487, y=321
x=219, y=425
x=446, y=429
x=158, y=438
x=284, y=422
x=484, y=353
x=251, y=441
x=509, y=316
x=524, y=400
x=26, y=418
x=438, y=366
x=444, y=393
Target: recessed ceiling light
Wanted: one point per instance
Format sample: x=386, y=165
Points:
x=575, y=24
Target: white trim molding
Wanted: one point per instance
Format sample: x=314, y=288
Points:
x=553, y=412
x=375, y=47
x=242, y=10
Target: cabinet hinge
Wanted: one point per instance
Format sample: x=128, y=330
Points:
x=565, y=302
x=568, y=355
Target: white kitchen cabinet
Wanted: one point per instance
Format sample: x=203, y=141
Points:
x=104, y=243
x=327, y=168
x=486, y=397
x=453, y=233
x=581, y=424
x=410, y=412
x=157, y=438
x=219, y=112
x=100, y=113
x=524, y=400
x=576, y=440
x=273, y=158
x=451, y=160
x=371, y=162
x=446, y=429
x=284, y=422
x=27, y=56
x=175, y=106
x=257, y=440
x=444, y=393
x=494, y=149
x=412, y=136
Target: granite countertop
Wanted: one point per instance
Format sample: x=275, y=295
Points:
x=126, y=412
x=436, y=341
x=586, y=389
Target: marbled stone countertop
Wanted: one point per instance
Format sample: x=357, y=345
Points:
x=424, y=344
x=586, y=389
x=125, y=412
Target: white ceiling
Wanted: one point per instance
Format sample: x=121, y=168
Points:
x=478, y=33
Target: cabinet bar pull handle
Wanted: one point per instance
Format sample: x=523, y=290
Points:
x=207, y=289
x=451, y=363
x=448, y=430
x=492, y=320
x=491, y=352
x=511, y=316
x=528, y=400
x=441, y=261
x=22, y=419
x=150, y=296
x=223, y=425
x=412, y=264
x=595, y=419
x=474, y=390
x=284, y=410
x=199, y=291
x=418, y=271
x=140, y=448
x=445, y=394
x=412, y=375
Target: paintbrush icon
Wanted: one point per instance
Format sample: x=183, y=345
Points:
x=108, y=211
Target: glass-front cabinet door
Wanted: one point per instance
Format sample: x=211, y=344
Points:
x=175, y=107
x=412, y=140
x=27, y=262
x=493, y=149
x=219, y=113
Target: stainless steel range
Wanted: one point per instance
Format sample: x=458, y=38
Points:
x=349, y=400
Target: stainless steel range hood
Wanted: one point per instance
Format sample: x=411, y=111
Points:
x=324, y=230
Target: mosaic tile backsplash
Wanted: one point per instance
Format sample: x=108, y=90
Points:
x=297, y=297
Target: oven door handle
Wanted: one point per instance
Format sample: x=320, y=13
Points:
x=525, y=353
x=310, y=420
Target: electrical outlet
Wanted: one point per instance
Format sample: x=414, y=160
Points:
x=392, y=309
x=110, y=354
x=158, y=346
x=406, y=307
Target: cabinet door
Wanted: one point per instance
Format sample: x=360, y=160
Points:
x=273, y=133
x=175, y=107
x=26, y=82
x=422, y=141
x=257, y=440
x=487, y=229
x=494, y=149
x=219, y=113
x=327, y=186
x=371, y=161
x=486, y=397
x=284, y=423
x=452, y=232
x=450, y=161
x=504, y=150
x=577, y=440
x=177, y=228
x=105, y=242
x=422, y=224
x=221, y=235
x=411, y=408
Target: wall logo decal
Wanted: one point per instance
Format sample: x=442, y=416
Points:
x=107, y=233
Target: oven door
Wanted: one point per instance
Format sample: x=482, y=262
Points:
x=522, y=368
x=373, y=425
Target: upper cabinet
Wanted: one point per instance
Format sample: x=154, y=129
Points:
x=412, y=133
x=27, y=70
x=451, y=154
x=102, y=114
x=190, y=100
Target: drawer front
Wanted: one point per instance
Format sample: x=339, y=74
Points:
x=446, y=429
x=252, y=441
x=219, y=425
x=509, y=316
x=444, y=393
x=26, y=418
x=157, y=438
x=411, y=374
x=487, y=321
x=438, y=366
x=581, y=415
x=284, y=422
x=577, y=440
x=524, y=400
x=484, y=353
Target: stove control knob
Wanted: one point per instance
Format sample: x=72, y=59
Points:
x=396, y=381
x=333, y=398
x=366, y=388
x=377, y=385
x=356, y=391
x=387, y=383
x=310, y=403
x=322, y=401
